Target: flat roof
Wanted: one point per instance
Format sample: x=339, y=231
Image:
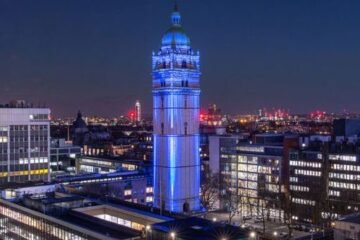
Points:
x=201, y=229
x=132, y=214
x=97, y=235
x=353, y=218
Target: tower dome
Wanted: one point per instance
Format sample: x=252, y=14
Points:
x=175, y=35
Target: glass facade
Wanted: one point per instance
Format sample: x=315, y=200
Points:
x=252, y=173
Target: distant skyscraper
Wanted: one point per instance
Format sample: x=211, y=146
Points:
x=24, y=144
x=138, y=111
x=176, y=93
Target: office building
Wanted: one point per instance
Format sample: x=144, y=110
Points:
x=254, y=175
x=131, y=186
x=324, y=181
x=307, y=185
x=104, y=165
x=345, y=128
x=63, y=157
x=72, y=217
x=24, y=144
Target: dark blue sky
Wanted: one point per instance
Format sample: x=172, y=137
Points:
x=96, y=55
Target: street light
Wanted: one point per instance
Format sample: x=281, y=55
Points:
x=172, y=235
x=148, y=232
x=275, y=234
x=252, y=235
x=214, y=219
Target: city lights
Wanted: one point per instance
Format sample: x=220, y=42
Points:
x=262, y=142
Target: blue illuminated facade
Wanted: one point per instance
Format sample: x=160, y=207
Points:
x=176, y=93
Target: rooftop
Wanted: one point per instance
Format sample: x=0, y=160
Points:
x=200, y=229
x=21, y=104
x=353, y=218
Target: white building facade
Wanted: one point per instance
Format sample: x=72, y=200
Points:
x=24, y=144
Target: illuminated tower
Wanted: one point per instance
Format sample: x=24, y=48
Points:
x=138, y=111
x=176, y=95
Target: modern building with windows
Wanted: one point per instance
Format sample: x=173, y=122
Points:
x=176, y=96
x=17, y=222
x=24, y=144
x=344, y=183
x=324, y=182
x=307, y=185
x=67, y=218
x=132, y=186
x=253, y=174
x=103, y=165
x=63, y=157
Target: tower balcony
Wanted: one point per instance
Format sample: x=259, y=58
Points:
x=184, y=65
x=180, y=85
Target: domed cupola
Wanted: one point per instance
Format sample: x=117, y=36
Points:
x=175, y=35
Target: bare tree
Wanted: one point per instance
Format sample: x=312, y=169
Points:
x=250, y=205
x=210, y=191
x=325, y=214
x=233, y=203
x=262, y=211
x=288, y=208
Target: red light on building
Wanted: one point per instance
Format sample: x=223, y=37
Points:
x=131, y=115
x=203, y=116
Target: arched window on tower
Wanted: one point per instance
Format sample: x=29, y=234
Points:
x=183, y=64
x=162, y=128
x=164, y=64
x=185, y=128
x=162, y=101
x=185, y=102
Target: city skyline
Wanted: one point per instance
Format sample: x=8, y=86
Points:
x=80, y=55
x=249, y=137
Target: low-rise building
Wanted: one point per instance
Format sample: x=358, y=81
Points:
x=347, y=227
x=104, y=165
x=63, y=157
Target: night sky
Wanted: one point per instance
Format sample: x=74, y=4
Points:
x=96, y=55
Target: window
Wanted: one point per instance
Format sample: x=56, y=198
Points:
x=183, y=64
